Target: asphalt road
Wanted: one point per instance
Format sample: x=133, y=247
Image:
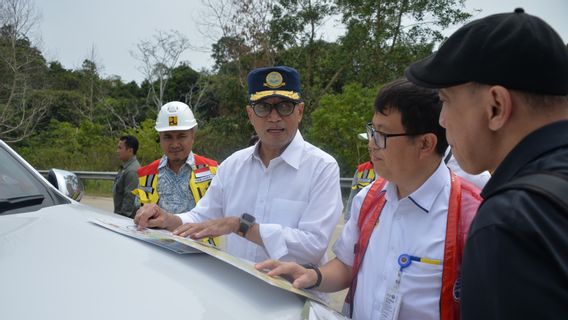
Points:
x=98, y=202
x=336, y=298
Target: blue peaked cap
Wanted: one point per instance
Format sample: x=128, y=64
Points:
x=280, y=81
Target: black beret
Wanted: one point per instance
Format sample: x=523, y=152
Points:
x=516, y=50
x=280, y=81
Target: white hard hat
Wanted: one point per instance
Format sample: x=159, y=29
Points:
x=362, y=136
x=174, y=116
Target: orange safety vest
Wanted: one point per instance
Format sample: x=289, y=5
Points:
x=199, y=181
x=463, y=204
x=364, y=176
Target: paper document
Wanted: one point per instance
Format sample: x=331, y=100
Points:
x=166, y=239
x=247, y=267
x=162, y=238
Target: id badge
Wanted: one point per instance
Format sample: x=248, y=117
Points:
x=391, y=304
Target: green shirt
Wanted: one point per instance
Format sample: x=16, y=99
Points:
x=125, y=181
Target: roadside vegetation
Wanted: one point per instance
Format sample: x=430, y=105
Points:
x=71, y=118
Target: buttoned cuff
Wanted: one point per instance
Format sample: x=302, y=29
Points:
x=273, y=240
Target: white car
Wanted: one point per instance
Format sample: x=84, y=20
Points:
x=55, y=264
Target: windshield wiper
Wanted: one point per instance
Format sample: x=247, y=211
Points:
x=20, y=202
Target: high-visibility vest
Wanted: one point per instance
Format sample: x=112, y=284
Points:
x=462, y=207
x=199, y=181
x=364, y=176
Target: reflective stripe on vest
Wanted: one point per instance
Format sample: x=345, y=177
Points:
x=199, y=182
x=462, y=206
x=365, y=175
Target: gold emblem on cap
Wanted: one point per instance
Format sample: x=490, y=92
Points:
x=173, y=121
x=274, y=80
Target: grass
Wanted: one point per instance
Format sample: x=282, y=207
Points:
x=98, y=188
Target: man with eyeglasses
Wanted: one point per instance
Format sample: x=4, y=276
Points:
x=400, y=252
x=279, y=198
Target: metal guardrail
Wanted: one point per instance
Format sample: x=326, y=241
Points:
x=109, y=175
x=90, y=175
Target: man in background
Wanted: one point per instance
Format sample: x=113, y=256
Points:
x=126, y=179
x=177, y=181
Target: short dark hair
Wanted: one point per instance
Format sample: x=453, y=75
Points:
x=419, y=109
x=130, y=142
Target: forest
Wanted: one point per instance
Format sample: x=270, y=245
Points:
x=72, y=118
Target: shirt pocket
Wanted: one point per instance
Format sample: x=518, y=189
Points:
x=422, y=277
x=420, y=287
x=287, y=212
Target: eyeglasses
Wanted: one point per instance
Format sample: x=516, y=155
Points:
x=284, y=108
x=380, y=138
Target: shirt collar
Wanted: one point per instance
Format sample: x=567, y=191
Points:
x=533, y=146
x=128, y=162
x=190, y=161
x=292, y=155
x=426, y=194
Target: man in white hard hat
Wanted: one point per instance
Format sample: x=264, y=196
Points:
x=279, y=198
x=178, y=180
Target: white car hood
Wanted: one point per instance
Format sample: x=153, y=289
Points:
x=55, y=264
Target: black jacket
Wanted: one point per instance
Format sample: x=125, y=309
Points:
x=515, y=262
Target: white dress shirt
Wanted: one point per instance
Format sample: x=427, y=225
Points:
x=296, y=201
x=414, y=225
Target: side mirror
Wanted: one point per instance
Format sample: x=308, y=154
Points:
x=66, y=182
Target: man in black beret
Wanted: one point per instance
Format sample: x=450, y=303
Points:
x=503, y=80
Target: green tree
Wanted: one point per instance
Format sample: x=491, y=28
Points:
x=149, y=148
x=158, y=57
x=338, y=120
x=384, y=37
x=296, y=23
x=63, y=145
x=22, y=71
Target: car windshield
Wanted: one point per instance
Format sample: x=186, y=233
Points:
x=20, y=189
x=15, y=180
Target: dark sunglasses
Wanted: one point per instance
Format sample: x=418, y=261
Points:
x=284, y=108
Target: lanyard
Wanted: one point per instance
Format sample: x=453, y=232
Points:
x=391, y=305
x=404, y=260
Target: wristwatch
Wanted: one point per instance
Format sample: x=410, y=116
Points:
x=318, y=272
x=245, y=223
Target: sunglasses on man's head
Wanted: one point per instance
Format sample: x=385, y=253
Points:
x=284, y=108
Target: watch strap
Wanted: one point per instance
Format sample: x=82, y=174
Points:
x=318, y=272
x=246, y=221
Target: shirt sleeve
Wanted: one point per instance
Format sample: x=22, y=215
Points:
x=308, y=242
x=210, y=206
x=344, y=247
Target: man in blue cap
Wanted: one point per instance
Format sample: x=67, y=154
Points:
x=278, y=199
x=503, y=80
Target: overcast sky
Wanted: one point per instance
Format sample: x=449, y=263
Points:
x=70, y=28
